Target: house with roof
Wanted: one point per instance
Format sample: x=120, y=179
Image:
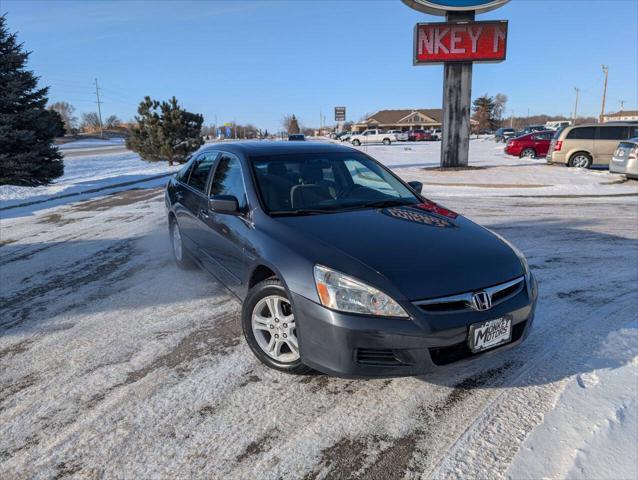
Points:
x=622, y=116
x=407, y=119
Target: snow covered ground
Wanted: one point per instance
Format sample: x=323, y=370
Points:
x=114, y=363
x=93, y=173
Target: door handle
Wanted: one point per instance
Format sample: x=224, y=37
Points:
x=204, y=214
x=179, y=196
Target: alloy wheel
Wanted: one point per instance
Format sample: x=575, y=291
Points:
x=177, y=242
x=580, y=161
x=528, y=153
x=273, y=325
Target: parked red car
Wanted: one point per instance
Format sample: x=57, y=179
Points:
x=419, y=135
x=531, y=145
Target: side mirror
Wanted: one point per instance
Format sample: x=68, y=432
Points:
x=223, y=204
x=418, y=186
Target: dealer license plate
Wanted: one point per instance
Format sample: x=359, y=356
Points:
x=490, y=334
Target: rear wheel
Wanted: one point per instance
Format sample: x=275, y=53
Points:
x=270, y=328
x=580, y=160
x=528, y=153
x=356, y=142
x=386, y=141
x=180, y=255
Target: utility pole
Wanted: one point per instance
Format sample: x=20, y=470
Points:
x=622, y=105
x=577, y=90
x=99, y=108
x=602, y=111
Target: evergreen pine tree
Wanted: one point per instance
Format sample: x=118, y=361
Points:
x=293, y=127
x=27, y=129
x=165, y=131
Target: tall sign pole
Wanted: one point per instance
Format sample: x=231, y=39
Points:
x=457, y=44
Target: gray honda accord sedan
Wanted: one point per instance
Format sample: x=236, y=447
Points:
x=340, y=265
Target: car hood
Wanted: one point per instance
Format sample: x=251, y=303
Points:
x=423, y=253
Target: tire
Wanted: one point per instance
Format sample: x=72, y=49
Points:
x=260, y=326
x=580, y=160
x=386, y=141
x=356, y=142
x=180, y=254
x=528, y=153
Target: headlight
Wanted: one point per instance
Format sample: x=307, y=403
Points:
x=340, y=292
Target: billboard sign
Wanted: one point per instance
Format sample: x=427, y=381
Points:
x=340, y=114
x=441, y=7
x=460, y=42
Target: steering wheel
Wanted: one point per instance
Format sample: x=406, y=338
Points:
x=347, y=191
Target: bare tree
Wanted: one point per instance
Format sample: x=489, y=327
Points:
x=112, y=121
x=66, y=111
x=90, y=122
x=500, y=102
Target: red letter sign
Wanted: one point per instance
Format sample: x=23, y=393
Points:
x=460, y=42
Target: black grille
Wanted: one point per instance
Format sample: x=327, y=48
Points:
x=444, y=306
x=498, y=296
x=373, y=356
x=459, y=351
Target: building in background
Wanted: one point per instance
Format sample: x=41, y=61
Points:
x=622, y=116
x=423, y=118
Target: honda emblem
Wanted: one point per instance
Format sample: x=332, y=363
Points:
x=481, y=301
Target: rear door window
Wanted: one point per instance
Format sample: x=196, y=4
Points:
x=582, y=133
x=201, y=169
x=612, y=133
x=543, y=136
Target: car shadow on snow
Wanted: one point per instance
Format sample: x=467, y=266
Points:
x=586, y=314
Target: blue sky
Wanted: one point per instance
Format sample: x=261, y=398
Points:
x=254, y=61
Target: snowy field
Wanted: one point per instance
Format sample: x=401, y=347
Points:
x=116, y=364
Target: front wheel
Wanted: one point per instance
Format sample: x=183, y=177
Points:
x=386, y=141
x=580, y=160
x=270, y=327
x=356, y=142
x=528, y=153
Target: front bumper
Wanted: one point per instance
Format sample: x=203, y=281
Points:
x=356, y=346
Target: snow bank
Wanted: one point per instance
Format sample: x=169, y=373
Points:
x=87, y=173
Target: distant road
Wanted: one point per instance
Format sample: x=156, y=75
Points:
x=81, y=152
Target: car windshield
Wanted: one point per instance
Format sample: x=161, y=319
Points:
x=311, y=183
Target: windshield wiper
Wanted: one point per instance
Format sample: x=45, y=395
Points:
x=394, y=202
x=299, y=212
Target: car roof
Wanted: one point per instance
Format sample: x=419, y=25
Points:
x=269, y=147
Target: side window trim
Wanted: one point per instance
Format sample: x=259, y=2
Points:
x=220, y=155
x=198, y=159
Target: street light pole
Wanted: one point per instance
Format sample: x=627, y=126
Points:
x=577, y=90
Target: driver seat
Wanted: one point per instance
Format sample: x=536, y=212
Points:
x=312, y=190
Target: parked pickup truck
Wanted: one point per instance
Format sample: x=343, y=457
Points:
x=373, y=136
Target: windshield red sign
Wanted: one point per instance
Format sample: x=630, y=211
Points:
x=460, y=42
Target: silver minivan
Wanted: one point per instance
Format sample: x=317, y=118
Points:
x=589, y=145
x=625, y=159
